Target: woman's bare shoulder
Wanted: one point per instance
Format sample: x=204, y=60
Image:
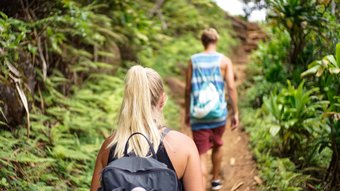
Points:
x=180, y=140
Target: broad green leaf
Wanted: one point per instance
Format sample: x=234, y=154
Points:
x=320, y=71
x=3, y=15
x=274, y=129
x=312, y=70
x=334, y=70
x=331, y=59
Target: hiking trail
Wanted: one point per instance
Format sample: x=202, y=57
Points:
x=238, y=167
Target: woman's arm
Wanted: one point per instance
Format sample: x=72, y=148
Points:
x=95, y=184
x=101, y=162
x=192, y=177
x=184, y=156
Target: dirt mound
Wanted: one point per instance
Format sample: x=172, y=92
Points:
x=249, y=33
x=176, y=87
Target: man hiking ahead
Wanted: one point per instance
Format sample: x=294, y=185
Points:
x=206, y=108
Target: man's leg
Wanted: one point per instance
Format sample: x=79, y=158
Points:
x=204, y=158
x=216, y=158
x=203, y=144
x=217, y=155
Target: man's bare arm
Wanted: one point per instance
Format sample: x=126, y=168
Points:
x=232, y=92
x=187, y=93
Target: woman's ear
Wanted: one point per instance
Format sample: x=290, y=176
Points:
x=162, y=101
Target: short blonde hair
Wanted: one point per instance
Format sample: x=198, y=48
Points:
x=209, y=36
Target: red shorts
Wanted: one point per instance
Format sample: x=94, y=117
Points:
x=206, y=139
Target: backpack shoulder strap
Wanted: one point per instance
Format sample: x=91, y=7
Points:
x=113, y=148
x=111, y=154
x=165, y=132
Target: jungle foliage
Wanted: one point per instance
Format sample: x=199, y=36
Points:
x=294, y=93
x=61, y=80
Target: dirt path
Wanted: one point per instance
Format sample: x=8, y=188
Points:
x=238, y=168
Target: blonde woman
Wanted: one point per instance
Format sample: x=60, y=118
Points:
x=141, y=111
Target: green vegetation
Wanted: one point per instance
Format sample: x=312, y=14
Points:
x=61, y=83
x=294, y=93
x=61, y=80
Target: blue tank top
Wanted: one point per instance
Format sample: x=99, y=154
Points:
x=206, y=66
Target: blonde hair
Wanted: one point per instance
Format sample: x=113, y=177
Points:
x=138, y=112
x=209, y=36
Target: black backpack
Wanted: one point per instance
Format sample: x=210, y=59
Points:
x=132, y=173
